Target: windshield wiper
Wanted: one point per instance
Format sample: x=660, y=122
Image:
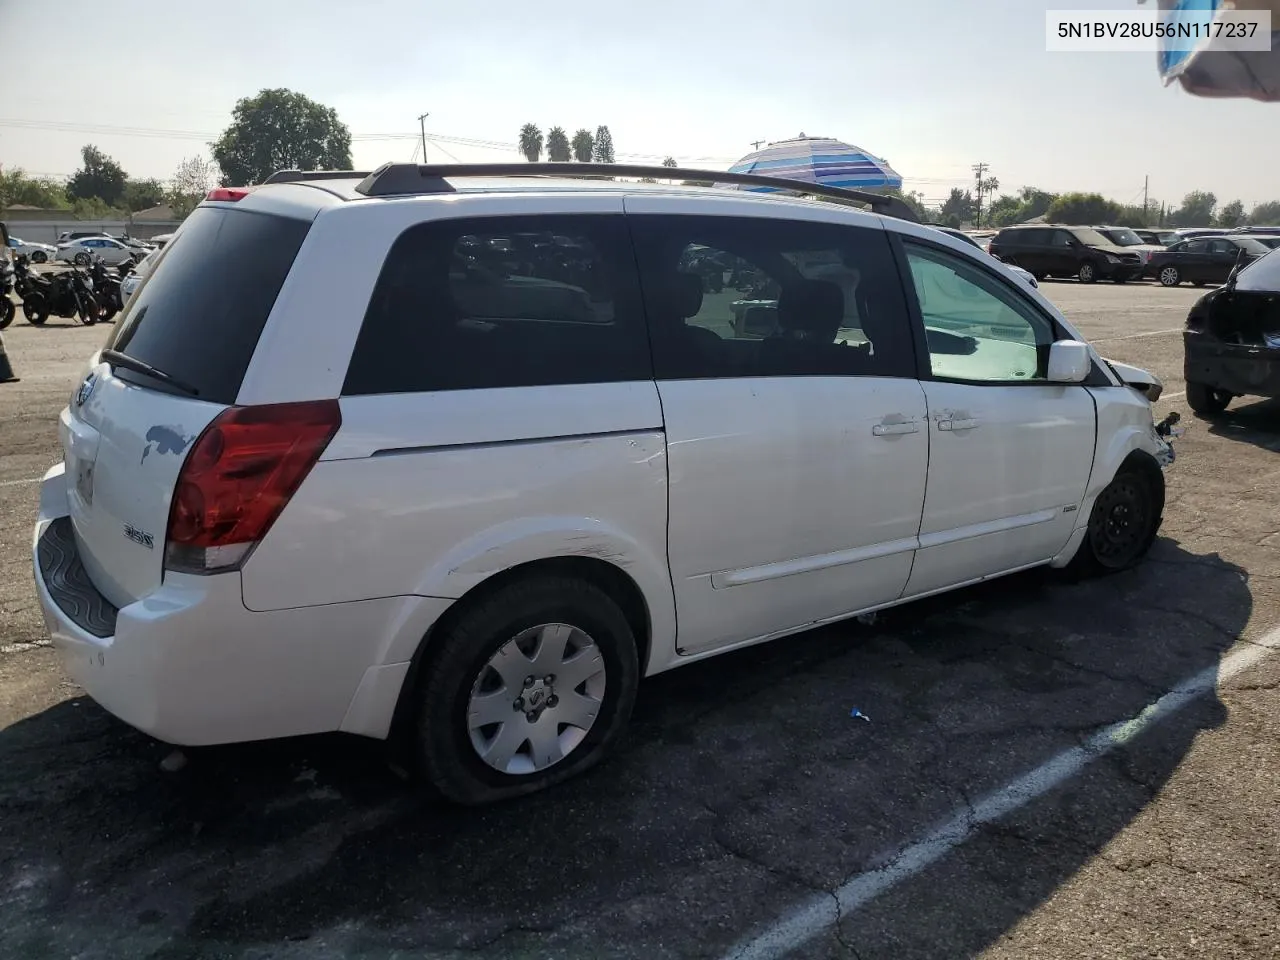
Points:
x=118, y=359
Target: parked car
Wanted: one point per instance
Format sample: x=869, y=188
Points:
x=441, y=500
x=1190, y=233
x=69, y=236
x=35, y=252
x=159, y=240
x=1131, y=241
x=1204, y=260
x=80, y=252
x=1231, y=345
x=1268, y=231
x=1066, y=251
x=977, y=242
x=1160, y=237
x=1270, y=242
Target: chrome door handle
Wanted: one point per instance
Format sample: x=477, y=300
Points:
x=953, y=425
x=893, y=429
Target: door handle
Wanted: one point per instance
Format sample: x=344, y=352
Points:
x=953, y=425
x=884, y=429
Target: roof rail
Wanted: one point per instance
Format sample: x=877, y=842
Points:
x=294, y=176
x=398, y=179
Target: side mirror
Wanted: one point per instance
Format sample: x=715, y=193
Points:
x=1069, y=362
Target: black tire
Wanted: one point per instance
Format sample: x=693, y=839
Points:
x=39, y=257
x=1200, y=283
x=1205, y=400
x=89, y=311
x=459, y=658
x=81, y=259
x=1123, y=523
x=33, y=309
x=1088, y=273
x=7, y=311
x=1169, y=276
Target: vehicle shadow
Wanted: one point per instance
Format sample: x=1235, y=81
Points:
x=745, y=785
x=1249, y=420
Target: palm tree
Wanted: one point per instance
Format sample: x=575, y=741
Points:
x=558, y=145
x=531, y=142
x=584, y=146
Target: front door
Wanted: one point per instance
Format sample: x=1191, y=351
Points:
x=797, y=439
x=1010, y=454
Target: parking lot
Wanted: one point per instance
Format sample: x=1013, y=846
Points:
x=995, y=802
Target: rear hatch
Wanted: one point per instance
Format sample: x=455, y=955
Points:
x=174, y=361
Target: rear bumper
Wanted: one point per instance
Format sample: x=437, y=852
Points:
x=190, y=665
x=1242, y=369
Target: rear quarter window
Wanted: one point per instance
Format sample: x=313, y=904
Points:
x=203, y=306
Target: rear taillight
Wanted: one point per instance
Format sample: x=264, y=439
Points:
x=229, y=194
x=238, y=477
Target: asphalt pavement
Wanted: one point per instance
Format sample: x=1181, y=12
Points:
x=1048, y=769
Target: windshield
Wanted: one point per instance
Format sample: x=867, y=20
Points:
x=1124, y=237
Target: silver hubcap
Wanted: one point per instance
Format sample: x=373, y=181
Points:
x=1169, y=276
x=536, y=699
x=1086, y=272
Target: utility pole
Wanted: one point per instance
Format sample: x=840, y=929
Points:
x=755, y=144
x=423, y=130
x=1146, y=182
x=978, y=170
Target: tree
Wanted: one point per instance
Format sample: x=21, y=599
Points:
x=1265, y=214
x=143, y=194
x=1196, y=210
x=193, y=179
x=584, y=146
x=280, y=130
x=1082, y=208
x=531, y=142
x=1132, y=216
x=603, y=146
x=670, y=162
x=17, y=187
x=558, y=149
x=986, y=187
x=1003, y=211
x=1035, y=203
x=1231, y=215
x=99, y=177
x=958, y=208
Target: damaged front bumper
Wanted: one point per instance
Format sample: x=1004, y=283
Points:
x=1163, y=435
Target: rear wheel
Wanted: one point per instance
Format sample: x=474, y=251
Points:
x=1123, y=522
x=1169, y=276
x=81, y=259
x=39, y=257
x=89, y=311
x=1206, y=400
x=7, y=310
x=526, y=688
x=1088, y=273
x=33, y=309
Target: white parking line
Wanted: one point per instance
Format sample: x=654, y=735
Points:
x=15, y=483
x=1170, y=396
x=1135, y=336
x=822, y=911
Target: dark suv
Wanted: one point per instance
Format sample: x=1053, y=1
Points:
x=1057, y=251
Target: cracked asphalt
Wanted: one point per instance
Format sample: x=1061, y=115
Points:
x=744, y=787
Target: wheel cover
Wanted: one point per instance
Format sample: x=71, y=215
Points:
x=1169, y=276
x=1118, y=527
x=536, y=699
x=1086, y=272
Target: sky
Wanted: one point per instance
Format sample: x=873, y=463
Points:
x=933, y=86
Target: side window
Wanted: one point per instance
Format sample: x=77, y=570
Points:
x=977, y=328
x=765, y=297
x=1029, y=237
x=1061, y=238
x=1195, y=246
x=503, y=302
x=1222, y=246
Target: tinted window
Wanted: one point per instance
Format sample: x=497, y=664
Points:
x=745, y=297
x=1222, y=246
x=1061, y=238
x=1018, y=238
x=200, y=312
x=503, y=302
x=976, y=327
x=1195, y=246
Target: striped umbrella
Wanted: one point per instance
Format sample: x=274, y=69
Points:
x=818, y=160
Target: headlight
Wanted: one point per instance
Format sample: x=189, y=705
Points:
x=1111, y=259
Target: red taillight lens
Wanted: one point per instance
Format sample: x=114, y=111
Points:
x=238, y=477
x=229, y=194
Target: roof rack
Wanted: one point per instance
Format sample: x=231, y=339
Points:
x=399, y=179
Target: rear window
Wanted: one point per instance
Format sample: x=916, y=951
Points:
x=202, y=308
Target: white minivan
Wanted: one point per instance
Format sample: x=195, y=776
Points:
x=464, y=456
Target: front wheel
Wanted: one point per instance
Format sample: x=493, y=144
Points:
x=81, y=259
x=33, y=308
x=89, y=311
x=1169, y=276
x=1122, y=524
x=1088, y=273
x=39, y=257
x=7, y=310
x=526, y=688
x=1205, y=400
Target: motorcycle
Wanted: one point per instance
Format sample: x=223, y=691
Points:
x=7, y=308
x=106, y=289
x=66, y=294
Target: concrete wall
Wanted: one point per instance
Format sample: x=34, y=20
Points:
x=46, y=231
